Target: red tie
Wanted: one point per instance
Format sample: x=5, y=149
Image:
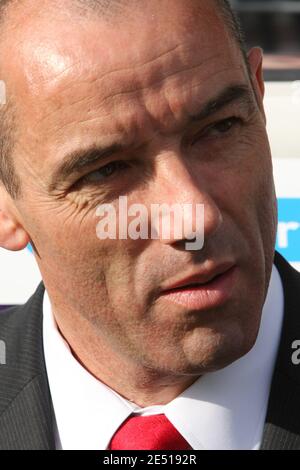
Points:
x=148, y=433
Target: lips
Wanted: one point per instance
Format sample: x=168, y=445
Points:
x=204, y=290
x=200, y=278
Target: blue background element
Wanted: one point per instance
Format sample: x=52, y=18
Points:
x=288, y=211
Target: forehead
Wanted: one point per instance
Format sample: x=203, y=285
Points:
x=49, y=42
x=74, y=77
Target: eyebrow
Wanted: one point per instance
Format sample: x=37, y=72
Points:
x=79, y=159
x=75, y=161
x=236, y=93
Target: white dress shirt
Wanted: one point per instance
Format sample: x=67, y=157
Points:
x=221, y=410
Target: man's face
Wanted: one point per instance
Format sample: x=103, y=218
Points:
x=134, y=83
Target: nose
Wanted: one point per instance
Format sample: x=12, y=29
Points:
x=188, y=211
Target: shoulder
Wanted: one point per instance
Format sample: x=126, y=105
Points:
x=289, y=276
x=22, y=345
x=291, y=321
x=26, y=413
x=23, y=319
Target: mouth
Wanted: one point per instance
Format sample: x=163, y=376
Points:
x=203, y=291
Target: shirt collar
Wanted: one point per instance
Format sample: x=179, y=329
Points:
x=222, y=410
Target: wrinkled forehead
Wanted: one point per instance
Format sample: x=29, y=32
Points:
x=46, y=45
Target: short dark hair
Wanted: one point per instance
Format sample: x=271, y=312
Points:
x=8, y=176
x=233, y=23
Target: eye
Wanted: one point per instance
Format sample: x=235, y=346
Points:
x=104, y=172
x=219, y=129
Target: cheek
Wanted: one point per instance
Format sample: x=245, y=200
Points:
x=262, y=200
x=65, y=238
x=246, y=197
x=255, y=217
x=64, y=229
x=71, y=252
x=250, y=189
x=268, y=220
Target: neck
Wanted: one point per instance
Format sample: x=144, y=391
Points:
x=133, y=381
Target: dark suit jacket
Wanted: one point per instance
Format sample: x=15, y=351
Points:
x=26, y=414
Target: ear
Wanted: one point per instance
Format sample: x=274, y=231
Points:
x=255, y=59
x=12, y=235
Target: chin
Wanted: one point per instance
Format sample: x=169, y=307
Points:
x=218, y=350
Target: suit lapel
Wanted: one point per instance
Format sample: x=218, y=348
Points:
x=27, y=423
x=282, y=427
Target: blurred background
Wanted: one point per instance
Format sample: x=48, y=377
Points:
x=273, y=23
x=275, y=26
